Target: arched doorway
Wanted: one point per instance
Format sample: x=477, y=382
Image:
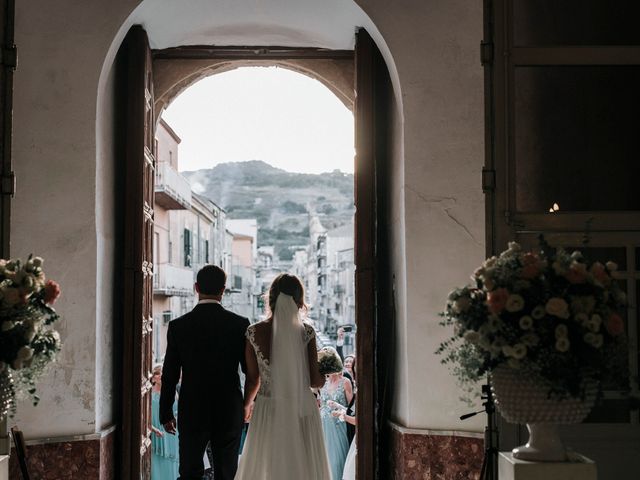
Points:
x=374, y=305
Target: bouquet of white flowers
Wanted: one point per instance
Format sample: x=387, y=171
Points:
x=546, y=313
x=27, y=340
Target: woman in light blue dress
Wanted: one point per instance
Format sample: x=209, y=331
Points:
x=336, y=394
x=164, y=446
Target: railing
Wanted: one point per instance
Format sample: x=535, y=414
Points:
x=170, y=280
x=173, y=191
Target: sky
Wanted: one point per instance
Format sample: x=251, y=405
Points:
x=272, y=114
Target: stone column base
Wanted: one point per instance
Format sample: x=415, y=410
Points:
x=435, y=454
x=78, y=457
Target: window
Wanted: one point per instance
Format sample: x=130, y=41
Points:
x=206, y=251
x=237, y=282
x=188, y=248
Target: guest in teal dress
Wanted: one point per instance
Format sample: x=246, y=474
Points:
x=164, y=446
x=336, y=394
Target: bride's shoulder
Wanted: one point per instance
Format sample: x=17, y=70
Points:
x=309, y=331
x=260, y=326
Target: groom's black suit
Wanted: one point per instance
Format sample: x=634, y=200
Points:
x=207, y=345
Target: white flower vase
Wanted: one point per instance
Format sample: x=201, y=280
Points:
x=523, y=399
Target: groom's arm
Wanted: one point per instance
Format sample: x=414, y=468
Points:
x=243, y=359
x=170, y=376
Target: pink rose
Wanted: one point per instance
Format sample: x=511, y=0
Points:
x=615, y=325
x=51, y=292
x=497, y=299
x=530, y=271
x=600, y=273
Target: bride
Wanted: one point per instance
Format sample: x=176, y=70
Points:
x=285, y=440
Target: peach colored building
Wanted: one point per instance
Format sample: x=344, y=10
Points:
x=173, y=281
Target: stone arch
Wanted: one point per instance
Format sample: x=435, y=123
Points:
x=172, y=77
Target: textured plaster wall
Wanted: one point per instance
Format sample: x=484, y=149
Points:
x=55, y=212
x=63, y=208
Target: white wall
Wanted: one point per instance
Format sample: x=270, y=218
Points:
x=62, y=155
x=435, y=48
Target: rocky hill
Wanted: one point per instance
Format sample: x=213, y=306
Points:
x=281, y=201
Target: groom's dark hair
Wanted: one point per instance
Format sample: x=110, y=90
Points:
x=211, y=280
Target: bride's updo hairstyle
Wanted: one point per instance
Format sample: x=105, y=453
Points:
x=289, y=285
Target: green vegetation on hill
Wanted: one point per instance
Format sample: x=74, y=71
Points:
x=279, y=200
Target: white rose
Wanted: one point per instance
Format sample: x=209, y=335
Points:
x=611, y=266
x=538, y=312
x=471, y=336
x=576, y=255
x=594, y=340
x=562, y=344
x=55, y=335
x=599, y=340
x=515, y=303
x=559, y=268
x=514, y=246
x=594, y=324
x=30, y=334
x=581, y=318
x=7, y=325
x=519, y=351
x=462, y=304
x=490, y=262
x=561, y=331
x=508, y=351
x=24, y=353
x=526, y=322
x=558, y=307
x=12, y=296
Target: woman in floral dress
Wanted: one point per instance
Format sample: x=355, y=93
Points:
x=336, y=394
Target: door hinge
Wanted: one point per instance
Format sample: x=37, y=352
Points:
x=486, y=53
x=8, y=184
x=488, y=180
x=10, y=56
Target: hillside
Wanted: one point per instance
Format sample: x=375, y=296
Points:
x=279, y=200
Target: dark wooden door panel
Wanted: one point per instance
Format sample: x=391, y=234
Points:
x=138, y=257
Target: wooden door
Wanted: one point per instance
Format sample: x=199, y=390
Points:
x=7, y=180
x=373, y=285
x=139, y=168
x=562, y=99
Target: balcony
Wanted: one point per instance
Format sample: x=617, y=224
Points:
x=172, y=190
x=172, y=281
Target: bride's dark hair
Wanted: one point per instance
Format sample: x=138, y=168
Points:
x=289, y=285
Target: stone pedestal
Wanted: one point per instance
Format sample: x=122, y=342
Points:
x=4, y=467
x=578, y=468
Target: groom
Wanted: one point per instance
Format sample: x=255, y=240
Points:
x=206, y=345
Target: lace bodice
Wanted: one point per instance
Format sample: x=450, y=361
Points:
x=264, y=362
x=338, y=395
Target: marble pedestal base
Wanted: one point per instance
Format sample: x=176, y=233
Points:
x=579, y=468
x=4, y=467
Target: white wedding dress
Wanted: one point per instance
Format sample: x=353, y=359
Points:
x=285, y=440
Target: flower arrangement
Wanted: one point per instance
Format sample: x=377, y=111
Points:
x=329, y=361
x=546, y=313
x=27, y=341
